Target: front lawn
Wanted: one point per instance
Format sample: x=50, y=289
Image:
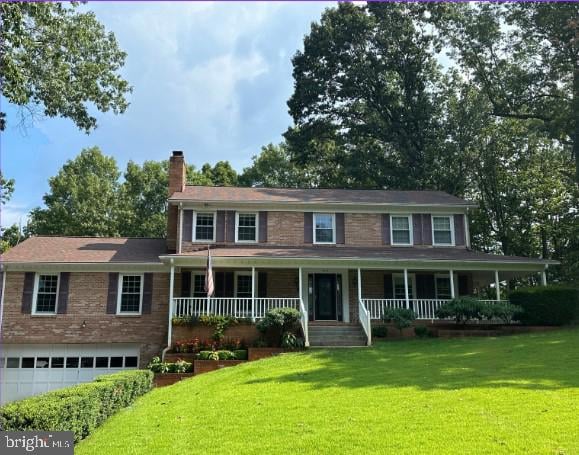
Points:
x=470, y=396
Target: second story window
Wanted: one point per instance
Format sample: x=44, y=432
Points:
x=246, y=227
x=130, y=294
x=46, y=294
x=442, y=230
x=400, y=230
x=204, y=227
x=324, y=228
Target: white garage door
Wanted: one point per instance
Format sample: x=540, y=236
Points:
x=36, y=368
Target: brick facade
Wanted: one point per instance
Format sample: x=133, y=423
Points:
x=87, y=302
x=363, y=229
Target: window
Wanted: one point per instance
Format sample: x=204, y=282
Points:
x=198, y=285
x=130, y=294
x=86, y=362
x=116, y=362
x=401, y=233
x=246, y=230
x=72, y=362
x=442, y=284
x=46, y=294
x=13, y=362
x=398, y=286
x=243, y=285
x=42, y=362
x=324, y=228
x=27, y=362
x=204, y=227
x=442, y=230
x=57, y=362
x=131, y=362
x=102, y=362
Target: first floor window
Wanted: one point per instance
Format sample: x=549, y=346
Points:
x=442, y=230
x=243, y=286
x=204, y=228
x=46, y=294
x=401, y=230
x=131, y=294
x=324, y=227
x=247, y=227
x=443, y=288
x=399, y=291
x=198, y=285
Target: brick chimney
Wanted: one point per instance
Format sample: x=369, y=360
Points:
x=177, y=181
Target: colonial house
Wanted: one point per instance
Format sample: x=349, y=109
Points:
x=76, y=307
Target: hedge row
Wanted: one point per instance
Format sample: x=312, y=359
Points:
x=79, y=408
x=547, y=305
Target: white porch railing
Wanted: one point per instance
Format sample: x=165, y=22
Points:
x=365, y=320
x=424, y=308
x=239, y=307
x=304, y=322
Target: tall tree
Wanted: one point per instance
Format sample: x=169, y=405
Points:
x=83, y=198
x=367, y=104
x=57, y=61
x=221, y=174
x=6, y=189
x=524, y=57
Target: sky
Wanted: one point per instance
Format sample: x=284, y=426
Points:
x=211, y=79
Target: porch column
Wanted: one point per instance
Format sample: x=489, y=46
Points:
x=300, y=284
x=359, y=285
x=544, y=277
x=497, y=285
x=451, y=274
x=171, y=285
x=253, y=294
x=406, y=288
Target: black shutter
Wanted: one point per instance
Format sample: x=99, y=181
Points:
x=463, y=286
x=112, y=295
x=308, y=227
x=426, y=229
x=385, y=229
x=220, y=228
x=62, y=304
x=388, y=290
x=228, y=284
x=147, y=293
x=28, y=292
x=219, y=284
x=262, y=284
x=187, y=225
x=262, y=227
x=185, y=283
x=230, y=226
x=425, y=286
x=1, y=283
x=459, y=237
x=340, y=234
x=417, y=228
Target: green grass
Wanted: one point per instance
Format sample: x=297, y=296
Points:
x=511, y=395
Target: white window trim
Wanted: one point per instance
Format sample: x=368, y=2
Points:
x=452, y=239
x=333, y=215
x=236, y=274
x=237, y=227
x=120, y=291
x=35, y=295
x=194, y=228
x=411, y=279
x=410, y=229
x=192, y=290
x=446, y=277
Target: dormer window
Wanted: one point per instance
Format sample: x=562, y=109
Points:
x=443, y=230
x=400, y=231
x=204, y=226
x=324, y=228
x=246, y=227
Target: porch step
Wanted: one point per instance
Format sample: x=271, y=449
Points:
x=336, y=335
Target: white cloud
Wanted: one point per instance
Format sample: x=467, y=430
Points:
x=14, y=214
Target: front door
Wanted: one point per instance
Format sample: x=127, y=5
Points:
x=325, y=296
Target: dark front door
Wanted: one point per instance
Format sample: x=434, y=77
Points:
x=325, y=296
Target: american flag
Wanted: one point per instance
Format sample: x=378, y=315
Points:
x=209, y=286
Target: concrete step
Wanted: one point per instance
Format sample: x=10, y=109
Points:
x=336, y=335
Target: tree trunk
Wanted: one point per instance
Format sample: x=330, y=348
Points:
x=544, y=244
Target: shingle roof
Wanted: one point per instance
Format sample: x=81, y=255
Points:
x=380, y=253
x=315, y=195
x=86, y=250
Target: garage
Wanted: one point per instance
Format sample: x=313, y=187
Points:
x=36, y=368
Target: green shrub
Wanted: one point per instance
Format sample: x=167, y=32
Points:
x=213, y=355
x=504, y=311
x=279, y=321
x=204, y=355
x=400, y=317
x=422, y=332
x=80, y=408
x=240, y=354
x=185, y=320
x=462, y=309
x=225, y=355
x=292, y=341
x=220, y=323
x=547, y=305
x=379, y=331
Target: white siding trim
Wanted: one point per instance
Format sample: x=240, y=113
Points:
x=237, y=227
x=410, y=229
x=452, y=237
x=194, y=227
x=35, y=295
x=120, y=292
x=333, y=215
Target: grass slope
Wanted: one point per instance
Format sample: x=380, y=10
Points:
x=469, y=396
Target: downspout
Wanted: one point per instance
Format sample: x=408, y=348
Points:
x=170, y=321
x=3, y=271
